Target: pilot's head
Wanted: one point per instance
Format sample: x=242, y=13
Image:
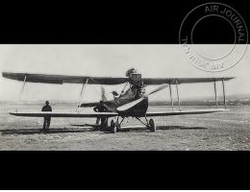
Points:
x=132, y=70
x=47, y=102
x=101, y=102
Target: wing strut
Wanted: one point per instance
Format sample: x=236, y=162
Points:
x=215, y=94
x=177, y=91
x=224, y=93
x=81, y=93
x=22, y=88
x=171, y=97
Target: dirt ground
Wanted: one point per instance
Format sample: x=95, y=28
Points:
x=213, y=132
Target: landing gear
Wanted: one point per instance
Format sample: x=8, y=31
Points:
x=113, y=126
x=116, y=125
x=151, y=125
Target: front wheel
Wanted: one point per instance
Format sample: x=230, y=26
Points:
x=113, y=126
x=152, y=126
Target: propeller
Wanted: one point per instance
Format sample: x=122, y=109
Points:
x=135, y=102
x=103, y=97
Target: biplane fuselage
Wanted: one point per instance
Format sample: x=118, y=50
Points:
x=135, y=92
x=139, y=109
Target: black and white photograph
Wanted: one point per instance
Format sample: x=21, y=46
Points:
x=185, y=96
x=124, y=97
x=164, y=81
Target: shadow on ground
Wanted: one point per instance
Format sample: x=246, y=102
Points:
x=27, y=131
x=178, y=127
x=141, y=129
x=38, y=131
x=89, y=129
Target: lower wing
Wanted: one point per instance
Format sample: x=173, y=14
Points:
x=110, y=114
x=187, y=112
x=64, y=114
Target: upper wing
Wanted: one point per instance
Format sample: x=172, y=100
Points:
x=63, y=114
x=187, y=112
x=60, y=79
x=157, y=81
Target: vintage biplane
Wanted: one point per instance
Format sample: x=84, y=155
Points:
x=131, y=102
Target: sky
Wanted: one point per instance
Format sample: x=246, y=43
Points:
x=151, y=60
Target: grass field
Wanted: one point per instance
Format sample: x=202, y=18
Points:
x=214, y=132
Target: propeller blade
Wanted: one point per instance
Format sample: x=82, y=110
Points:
x=158, y=89
x=103, y=97
x=129, y=105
